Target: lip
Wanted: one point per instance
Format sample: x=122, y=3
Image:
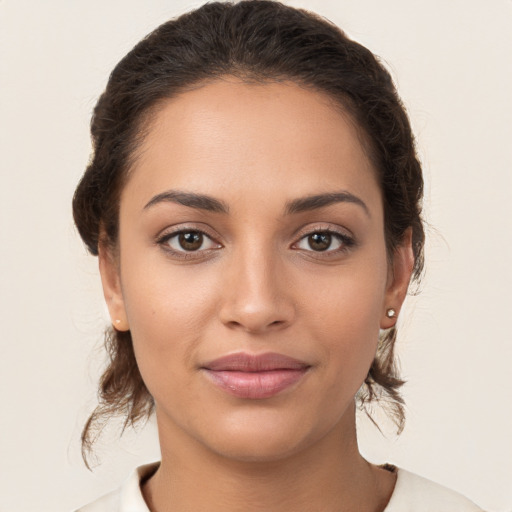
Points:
x=255, y=376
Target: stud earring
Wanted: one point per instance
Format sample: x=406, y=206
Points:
x=118, y=321
x=391, y=313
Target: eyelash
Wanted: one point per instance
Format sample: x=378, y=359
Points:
x=346, y=243
x=164, y=240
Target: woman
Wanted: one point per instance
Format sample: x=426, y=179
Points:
x=254, y=199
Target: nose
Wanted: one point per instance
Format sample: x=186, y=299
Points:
x=256, y=294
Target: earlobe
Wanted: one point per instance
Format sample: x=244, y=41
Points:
x=398, y=281
x=111, y=282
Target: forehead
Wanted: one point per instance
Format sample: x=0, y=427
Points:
x=233, y=136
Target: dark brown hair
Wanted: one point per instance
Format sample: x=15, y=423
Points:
x=255, y=40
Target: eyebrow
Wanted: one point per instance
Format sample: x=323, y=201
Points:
x=314, y=202
x=190, y=199
x=302, y=204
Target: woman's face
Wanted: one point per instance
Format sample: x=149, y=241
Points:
x=252, y=269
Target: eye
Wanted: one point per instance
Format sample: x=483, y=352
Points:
x=324, y=241
x=188, y=241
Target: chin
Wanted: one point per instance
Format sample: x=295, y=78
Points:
x=263, y=438
x=258, y=449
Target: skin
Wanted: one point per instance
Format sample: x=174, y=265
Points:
x=255, y=285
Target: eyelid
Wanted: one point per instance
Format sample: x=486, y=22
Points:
x=168, y=233
x=323, y=227
x=343, y=234
x=185, y=227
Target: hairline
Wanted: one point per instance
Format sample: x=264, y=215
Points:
x=342, y=104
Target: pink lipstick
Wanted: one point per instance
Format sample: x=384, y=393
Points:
x=255, y=376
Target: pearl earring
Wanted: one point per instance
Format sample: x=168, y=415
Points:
x=391, y=313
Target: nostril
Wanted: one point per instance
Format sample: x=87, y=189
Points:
x=255, y=312
x=255, y=327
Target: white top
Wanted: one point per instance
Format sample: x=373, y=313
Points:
x=412, y=493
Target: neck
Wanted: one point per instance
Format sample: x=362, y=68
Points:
x=330, y=475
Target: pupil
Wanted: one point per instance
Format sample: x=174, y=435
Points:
x=320, y=241
x=191, y=241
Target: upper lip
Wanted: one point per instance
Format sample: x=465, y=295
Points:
x=244, y=362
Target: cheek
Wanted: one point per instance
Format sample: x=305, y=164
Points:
x=167, y=311
x=350, y=332
x=346, y=318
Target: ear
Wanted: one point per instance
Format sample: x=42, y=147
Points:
x=110, y=279
x=399, y=276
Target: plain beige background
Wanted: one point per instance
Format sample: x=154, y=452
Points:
x=451, y=61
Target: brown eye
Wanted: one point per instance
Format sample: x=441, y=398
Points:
x=319, y=241
x=188, y=241
x=191, y=240
x=329, y=242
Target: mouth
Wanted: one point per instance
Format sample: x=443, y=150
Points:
x=255, y=376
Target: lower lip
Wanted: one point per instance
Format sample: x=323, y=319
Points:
x=255, y=385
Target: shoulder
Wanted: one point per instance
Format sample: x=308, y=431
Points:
x=108, y=502
x=413, y=492
x=128, y=498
